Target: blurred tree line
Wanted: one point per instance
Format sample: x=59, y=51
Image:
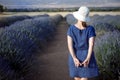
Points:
x=70, y=9
x=2, y=8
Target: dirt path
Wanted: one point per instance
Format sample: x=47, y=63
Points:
x=52, y=64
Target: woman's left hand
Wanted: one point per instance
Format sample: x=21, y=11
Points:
x=86, y=62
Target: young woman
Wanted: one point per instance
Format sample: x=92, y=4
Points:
x=80, y=38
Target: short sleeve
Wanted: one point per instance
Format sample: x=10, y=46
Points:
x=69, y=32
x=91, y=32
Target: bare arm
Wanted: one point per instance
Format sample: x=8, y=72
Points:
x=91, y=46
x=71, y=50
x=90, y=49
x=70, y=46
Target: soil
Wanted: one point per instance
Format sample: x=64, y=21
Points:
x=52, y=63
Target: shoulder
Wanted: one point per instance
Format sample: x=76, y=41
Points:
x=91, y=27
x=70, y=31
x=71, y=27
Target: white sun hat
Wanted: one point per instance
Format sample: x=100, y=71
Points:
x=82, y=14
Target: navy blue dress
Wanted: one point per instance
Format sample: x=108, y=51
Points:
x=80, y=45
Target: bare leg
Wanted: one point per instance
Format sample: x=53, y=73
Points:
x=84, y=78
x=77, y=78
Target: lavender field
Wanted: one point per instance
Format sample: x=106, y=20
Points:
x=22, y=36
x=33, y=43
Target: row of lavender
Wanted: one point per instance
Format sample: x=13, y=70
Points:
x=107, y=44
x=20, y=40
x=6, y=21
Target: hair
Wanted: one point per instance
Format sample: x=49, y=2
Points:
x=84, y=24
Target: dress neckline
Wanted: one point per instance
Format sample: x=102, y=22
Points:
x=80, y=29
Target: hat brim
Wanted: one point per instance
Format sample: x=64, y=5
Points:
x=80, y=17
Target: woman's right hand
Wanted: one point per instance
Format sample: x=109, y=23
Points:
x=77, y=62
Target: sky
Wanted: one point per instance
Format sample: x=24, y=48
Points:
x=58, y=3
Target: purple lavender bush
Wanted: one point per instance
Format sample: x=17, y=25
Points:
x=36, y=16
x=109, y=19
x=108, y=55
x=101, y=28
x=56, y=18
x=6, y=21
x=70, y=19
x=19, y=42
